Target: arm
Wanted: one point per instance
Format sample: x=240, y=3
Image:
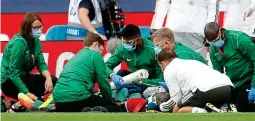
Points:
x=253, y=5
x=247, y=48
x=16, y=51
x=161, y=9
x=174, y=89
x=113, y=61
x=167, y=106
x=159, y=75
x=212, y=10
x=85, y=21
x=101, y=77
x=40, y=62
x=215, y=63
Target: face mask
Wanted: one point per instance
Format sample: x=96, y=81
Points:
x=218, y=43
x=129, y=47
x=157, y=49
x=36, y=32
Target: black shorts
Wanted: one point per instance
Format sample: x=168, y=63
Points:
x=217, y=97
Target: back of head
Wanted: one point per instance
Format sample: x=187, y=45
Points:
x=211, y=30
x=26, y=25
x=130, y=30
x=166, y=55
x=91, y=38
x=113, y=44
x=165, y=33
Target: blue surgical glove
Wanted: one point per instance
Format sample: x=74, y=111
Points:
x=251, y=96
x=117, y=80
x=163, y=84
x=134, y=88
x=152, y=103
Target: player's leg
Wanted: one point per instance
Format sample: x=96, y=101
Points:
x=240, y=96
x=75, y=106
x=217, y=96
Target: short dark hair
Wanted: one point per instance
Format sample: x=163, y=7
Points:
x=166, y=54
x=91, y=38
x=25, y=29
x=130, y=30
x=211, y=28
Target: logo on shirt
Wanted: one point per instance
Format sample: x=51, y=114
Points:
x=129, y=59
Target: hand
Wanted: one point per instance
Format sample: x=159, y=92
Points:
x=152, y=103
x=32, y=96
x=247, y=13
x=48, y=85
x=251, y=96
x=102, y=36
x=134, y=88
x=118, y=81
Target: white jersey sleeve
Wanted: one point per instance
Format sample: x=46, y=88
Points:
x=170, y=76
x=212, y=10
x=167, y=106
x=161, y=9
x=253, y=5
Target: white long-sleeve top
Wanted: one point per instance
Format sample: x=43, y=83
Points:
x=183, y=76
x=192, y=15
x=234, y=16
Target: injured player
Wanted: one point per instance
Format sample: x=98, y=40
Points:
x=192, y=84
x=138, y=53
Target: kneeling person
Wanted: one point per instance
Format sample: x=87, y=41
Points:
x=74, y=90
x=192, y=83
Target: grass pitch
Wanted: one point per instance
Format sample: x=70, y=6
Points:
x=126, y=117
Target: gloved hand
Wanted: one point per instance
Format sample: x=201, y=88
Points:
x=248, y=12
x=134, y=88
x=152, y=103
x=251, y=96
x=117, y=80
x=163, y=84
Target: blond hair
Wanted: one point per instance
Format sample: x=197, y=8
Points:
x=164, y=33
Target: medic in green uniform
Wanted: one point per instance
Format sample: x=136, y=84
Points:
x=20, y=56
x=234, y=51
x=138, y=53
x=74, y=89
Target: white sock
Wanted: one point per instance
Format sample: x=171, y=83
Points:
x=198, y=110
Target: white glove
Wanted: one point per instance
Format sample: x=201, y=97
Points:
x=167, y=106
x=248, y=12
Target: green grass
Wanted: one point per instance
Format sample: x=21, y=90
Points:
x=126, y=117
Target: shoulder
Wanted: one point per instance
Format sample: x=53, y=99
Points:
x=148, y=42
x=85, y=4
x=96, y=55
x=17, y=41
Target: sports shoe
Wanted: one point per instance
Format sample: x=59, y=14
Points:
x=233, y=108
x=213, y=108
x=87, y=109
x=99, y=109
x=16, y=107
x=25, y=100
